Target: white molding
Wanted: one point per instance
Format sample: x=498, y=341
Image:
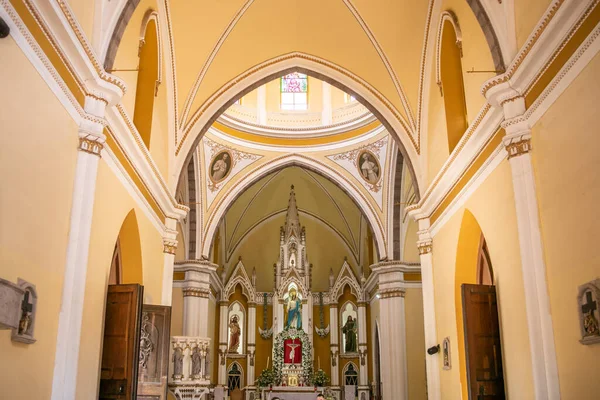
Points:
x=495, y=159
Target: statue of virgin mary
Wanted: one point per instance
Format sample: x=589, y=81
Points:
x=294, y=311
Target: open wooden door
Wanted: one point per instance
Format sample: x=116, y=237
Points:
x=482, y=343
x=120, y=351
x=153, y=368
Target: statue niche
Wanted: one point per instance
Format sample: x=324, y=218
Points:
x=293, y=310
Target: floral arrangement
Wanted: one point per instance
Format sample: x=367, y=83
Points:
x=266, y=378
x=307, y=370
x=320, y=378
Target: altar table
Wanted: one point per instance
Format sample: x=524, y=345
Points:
x=290, y=393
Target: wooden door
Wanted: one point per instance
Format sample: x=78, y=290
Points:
x=120, y=351
x=153, y=368
x=482, y=343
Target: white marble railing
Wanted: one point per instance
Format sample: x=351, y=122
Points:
x=190, y=360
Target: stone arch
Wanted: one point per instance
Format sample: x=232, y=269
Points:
x=313, y=66
x=351, y=189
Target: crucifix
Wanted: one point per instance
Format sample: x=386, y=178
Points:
x=293, y=346
x=590, y=323
x=26, y=308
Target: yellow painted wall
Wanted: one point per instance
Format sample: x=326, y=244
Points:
x=264, y=347
x=321, y=345
x=177, y=312
x=492, y=205
x=38, y=142
x=415, y=345
x=84, y=11
x=112, y=203
x=566, y=164
x=411, y=252
x=527, y=15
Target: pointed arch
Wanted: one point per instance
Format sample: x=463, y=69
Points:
x=449, y=75
x=149, y=76
x=130, y=250
x=467, y=257
x=346, y=185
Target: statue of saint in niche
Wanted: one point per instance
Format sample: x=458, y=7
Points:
x=196, y=362
x=294, y=311
x=369, y=167
x=177, y=362
x=349, y=330
x=220, y=166
x=234, y=334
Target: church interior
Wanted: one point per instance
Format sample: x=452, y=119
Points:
x=285, y=199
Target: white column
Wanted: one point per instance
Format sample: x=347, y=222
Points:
x=68, y=340
x=392, y=331
x=169, y=247
x=425, y=246
x=251, y=343
x=326, y=114
x=261, y=105
x=223, y=331
x=334, y=344
x=537, y=303
x=196, y=290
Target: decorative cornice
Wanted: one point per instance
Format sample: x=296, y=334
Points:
x=196, y=292
x=518, y=148
x=92, y=146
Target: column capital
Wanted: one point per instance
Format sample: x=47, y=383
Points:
x=425, y=246
x=91, y=144
x=518, y=146
x=169, y=246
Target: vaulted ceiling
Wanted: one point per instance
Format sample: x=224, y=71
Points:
x=335, y=226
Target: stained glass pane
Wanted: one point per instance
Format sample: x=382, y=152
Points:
x=294, y=83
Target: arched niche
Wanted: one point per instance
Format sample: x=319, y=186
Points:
x=449, y=75
x=348, y=310
x=148, y=78
x=237, y=311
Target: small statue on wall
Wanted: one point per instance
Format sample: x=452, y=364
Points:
x=24, y=331
x=234, y=334
x=196, y=362
x=349, y=330
x=177, y=363
x=588, y=298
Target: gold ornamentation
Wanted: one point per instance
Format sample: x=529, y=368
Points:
x=234, y=155
x=196, y=292
x=90, y=146
x=169, y=247
x=425, y=248
x=354, y=156
x=391, y=293
x=519, y=148
x=510, y=99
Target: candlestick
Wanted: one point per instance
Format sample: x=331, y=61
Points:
x=319, y=358
x=268, y=360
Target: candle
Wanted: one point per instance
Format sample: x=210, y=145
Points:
x=268, y=360
x=319, y=358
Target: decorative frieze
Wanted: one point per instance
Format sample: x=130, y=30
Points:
x=389, y=293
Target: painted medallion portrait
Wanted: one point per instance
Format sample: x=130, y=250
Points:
x=220, y=166
x=368, y=167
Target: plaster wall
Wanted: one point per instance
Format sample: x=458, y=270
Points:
x=566, y=164
x=415, y=345
x=38, y=151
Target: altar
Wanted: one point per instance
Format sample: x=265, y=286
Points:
x=290, y=393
